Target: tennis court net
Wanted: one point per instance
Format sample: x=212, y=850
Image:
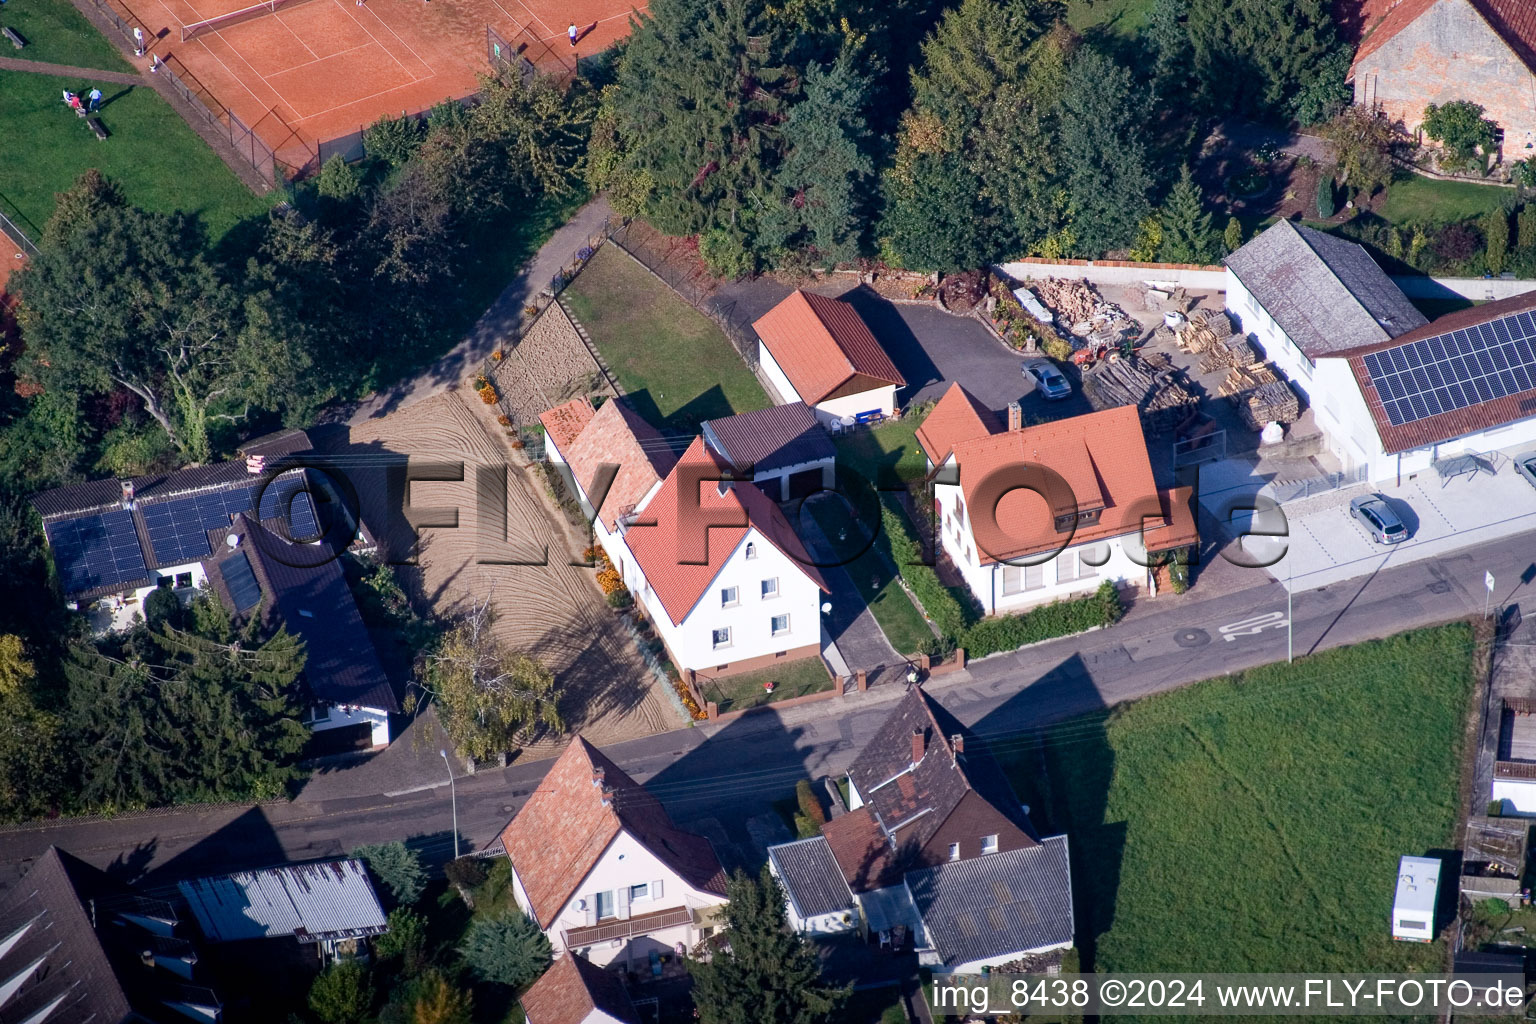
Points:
x=213, y=24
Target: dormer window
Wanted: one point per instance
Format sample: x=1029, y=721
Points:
x=751, y=550
x=988, y=844
x=954, y=851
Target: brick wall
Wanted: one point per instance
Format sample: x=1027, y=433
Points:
x=1450, y=53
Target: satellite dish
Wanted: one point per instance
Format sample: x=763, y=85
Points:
x=233, y=540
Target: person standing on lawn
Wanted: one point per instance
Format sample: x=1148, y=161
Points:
x=95, y=97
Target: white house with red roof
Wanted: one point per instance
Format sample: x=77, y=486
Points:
x=819, y=351
x=720, y=572
x=1032, y=514
x=576, y=991
x=600, y=868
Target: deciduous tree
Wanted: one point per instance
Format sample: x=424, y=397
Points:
x=1461, y=127
x=1364, y=143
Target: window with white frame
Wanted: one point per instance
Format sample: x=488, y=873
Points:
x=770, y=588
x=989, y=844
x=1019, y=578
x=1091, y=558
x=729, y=596
x=607, y=906
x=954, y=851
x=640, y=893
x=721, y=637
x=780, y=625
x=751, y=550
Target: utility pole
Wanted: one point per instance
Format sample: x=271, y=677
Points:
x=453, y=795
x=1290, y=619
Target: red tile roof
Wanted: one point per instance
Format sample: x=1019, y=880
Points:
x=571, y=989
x=564, y=423
x=1513, y=20
x=1446, y=425
x=681, y=545
x=1096, y=461
x=618, y=436
x=825, y=348
x=563, y=829
x=956, y=417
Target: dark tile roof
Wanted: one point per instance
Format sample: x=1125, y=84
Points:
x=768, y=439
x=992, y=908
x=1326, y=293
x=811, y=877
x=559, y=835
x=1448, y=425
x=864, y=853
x=571, y=989
x=914, y=800
x=70, y=916
x=303, y=586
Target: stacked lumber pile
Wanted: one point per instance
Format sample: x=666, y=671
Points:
x=1271, y=402
x=1205, y=329
x=1161, y=398
x=1082, y=310
x=1249, y=377
x=1231, y=351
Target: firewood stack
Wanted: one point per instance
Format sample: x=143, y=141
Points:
x=1160, y=396
x=1271, y=402
x=1206, y=327
x=1081, y=309
x=1231, y=351
x=1242, y=379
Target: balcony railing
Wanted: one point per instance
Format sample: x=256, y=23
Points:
x=1514, y=770
x=639, y=924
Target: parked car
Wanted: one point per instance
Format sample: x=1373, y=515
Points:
x=1525, y=465
x=1379, y=520
x=1048, y=380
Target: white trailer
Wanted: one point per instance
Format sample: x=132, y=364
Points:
x=1418, y=887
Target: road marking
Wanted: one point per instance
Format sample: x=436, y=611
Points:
x=1255, y=624
x=416, y=789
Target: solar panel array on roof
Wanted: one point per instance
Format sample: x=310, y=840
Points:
x=178, y=530
x=241, y=581
x=1455, y=370
x=96, y=551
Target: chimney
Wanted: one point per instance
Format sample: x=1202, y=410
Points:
x=1015, y=416
x=957, y=743
x=597, y=775
x=127, y=494
x=255, y=464
x=147, y=957
x=917, y=745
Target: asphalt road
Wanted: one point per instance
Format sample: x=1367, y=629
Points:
x=731, y=772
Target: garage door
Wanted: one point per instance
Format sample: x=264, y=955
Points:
x=804, y=483
x=770, y=487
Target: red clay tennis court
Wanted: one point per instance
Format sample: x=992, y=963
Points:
x=310, y=74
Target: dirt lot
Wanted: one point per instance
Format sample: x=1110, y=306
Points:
x=553, y=610
x=547, y=367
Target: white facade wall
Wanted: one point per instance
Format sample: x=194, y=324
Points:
x=1159, y=274
x=776, y=376
x=975, y=966
x=1059, y=576
x=1278, y=348
x=749, y=620
x=882, y=400
x=1518, y=796
x=624, y=863
x=827, y=467
x=836, y=923
x=340, y=716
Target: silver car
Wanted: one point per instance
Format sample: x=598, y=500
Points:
x=1048, y=380
x=1525, y=465
x=1379, y=520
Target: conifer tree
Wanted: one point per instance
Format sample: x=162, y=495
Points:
x=1187, y=236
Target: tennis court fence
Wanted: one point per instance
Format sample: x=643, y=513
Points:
x=217, y=117
x=526, y=54
x=244, y=14
x=17, y=236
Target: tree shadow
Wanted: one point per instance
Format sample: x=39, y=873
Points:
x=244, y=844
x=1063, y=773
x=896, y=336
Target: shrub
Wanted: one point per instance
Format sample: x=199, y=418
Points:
x=397, y=868
x=1325, y=205
x=1058, y=348
x=506, y=950
x=805, y=796
x=161, y=606
x=341, y=994
x=1059, y=618
x=935, y=598
x=406, y=939
x=805, y=828
x=393, y=140
x=1495, y=225
x=724, y=254
x=466, y=872
x=1457, y=243
x=620, y=598
x=1462, y=128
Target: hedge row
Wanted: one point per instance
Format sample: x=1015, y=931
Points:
x=988, y=636
x=946, y=612
x=1059, y=618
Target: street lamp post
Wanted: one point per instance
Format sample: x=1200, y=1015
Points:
x=453, y=796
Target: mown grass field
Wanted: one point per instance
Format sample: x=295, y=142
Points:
x=160, y=163
x=678, y=368
x=1254, y=823
x=798, y=678
x=56, y=33
x=1123, y=18
x=1416, y=200
x=888, y=455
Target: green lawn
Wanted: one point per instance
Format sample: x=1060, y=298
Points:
x=875, y=1006
x=676, y=365
x=1416, y=200
x=888, y=456
x=874, y=574
x=791, y=679
x=1254, y=822
x=160, y=163
x=56, y=33
x=1124, y=18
